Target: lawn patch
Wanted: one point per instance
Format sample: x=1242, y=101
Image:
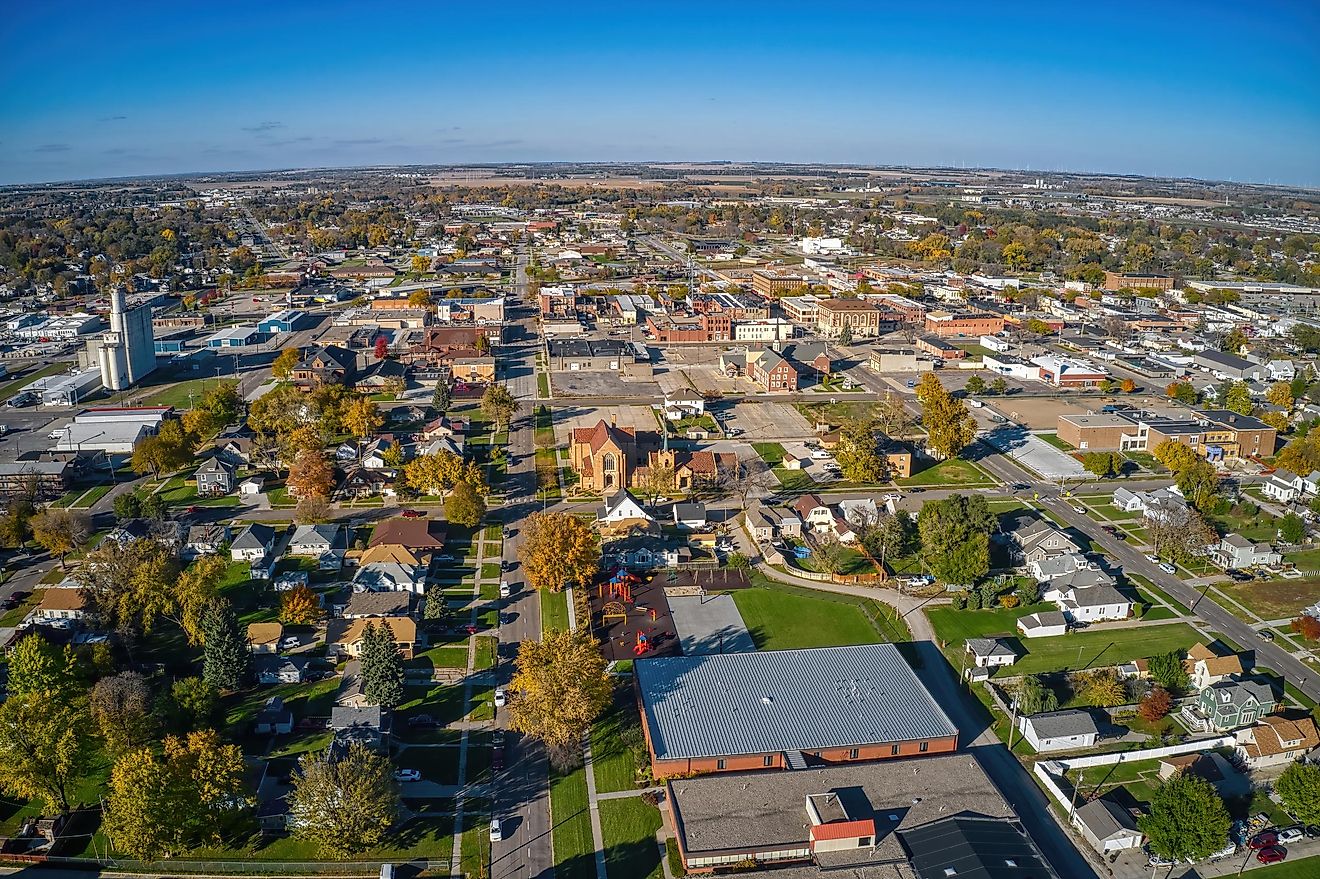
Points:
x=628, y=827
x=781, y=619
x=570, y=821
x=953, y=471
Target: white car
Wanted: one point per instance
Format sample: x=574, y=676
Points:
x=1152, y=558
x=407, y=775
x=496, y=831
x=290, y=643
x=1168, y=568
x=1081, y=511
x=1289, y=835
x=821, y=454
x=501, y=697
x=975, y=404
x=505, y=591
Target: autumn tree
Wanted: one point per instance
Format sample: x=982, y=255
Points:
x=419, y=298
x=955, y=538
x=464, y=506
x=162, y=805
x=1299, y=788
x=1280, y=394
x=283, y=365
x=225, y=657
x=196, y=586
x=363, y=418
x=1302, y=455
x=129, y=587
x=561, y=687
x=345, y=805
x=558, y=550
x=300, y=606
x=382, y=347
x=1307, y=626
x=1127, y=386
x=1103, y=688
x=124, y=711
x=499, y=405
x=60, y=531
x=656, y=482
x=46, y=748
x=217, y=408
x=311, y=475
x=858, y=453
x=1174, y=455
x=948, y=422
x=1181, y=539
x=1155, y=705
x=1239, y=399
x=1183, y=392
x=16, y=521
x=38, y=667
x=169, y=449
x=436, y=474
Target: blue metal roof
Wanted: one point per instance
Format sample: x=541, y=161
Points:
x=785, y=700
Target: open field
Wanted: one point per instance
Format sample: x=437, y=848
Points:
x=1274, y=599
x=954, y=471
x=1092, y=649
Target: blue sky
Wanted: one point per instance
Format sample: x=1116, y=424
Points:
x=1208, y=89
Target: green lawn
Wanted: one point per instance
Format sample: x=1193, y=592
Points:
x=771, y=453
x=1081, y=650
x=955, y=626
x=628, y=827
x=178, y=395
x=617, y=746
x=474, y=851
x=954, y=471
x=1053, y=439
x=1274, y=599
x=1306, y=560
x=781, y=619
x=571, y=826
x=554, y=610
x=793, y=480
x=850, y=562
x=1261, y=527
x=445, y=656
x=484, y=656
x=93, y=494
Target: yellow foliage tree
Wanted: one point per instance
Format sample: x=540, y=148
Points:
x=300, y=607
x=561, y=688
x=558, y=550
x=363, y=418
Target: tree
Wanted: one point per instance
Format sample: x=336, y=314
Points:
x=1276, y=420
x=499, y=405
x=381, y=348
x=561, y=688
x=218, y=407
x=436, y=474
x=169, y=449
x=435, y=607
x=420, y=298
x=1307, y=626
x=1183, y=392
x=1233, y=341
x=128, y=587
x=999, y=386
x=1167, y=670
x=60, y=531
x=1103, y=688
x=195, y=587
x=1239, y=399
x=128, y=506
x=845, y=335
x=1199, y=483
x=464, y=506
x=949, y=424
x=1297, y=387
x=955, y=538
x=300, y=607
x=311, y=475
x=1034, y=696
x=192, y=704
x=975, y=385
x=1035, y=326
x=1187, y=819
x=16, y=522
x=656, y=482
x=154, y=507
x=1127, y=386
x=1175, y=456
x=345, y=805
x=382, y=666
x=123, y=711
x=1106, y=385
x=283, y=365
x=225, y=658
x=443, y=398
x=858, y=453
x=363, y=418
x=38, y=667
x=890, y=537
x=1280, y=394
x=1302, y=455
x=1155, y=705
x=1299, y=788
x=1181, y=539
x=1292, y=528
x=163, y=805
x=1103, y=464
x=45, y=749
x=311, y=511
x=558, y=550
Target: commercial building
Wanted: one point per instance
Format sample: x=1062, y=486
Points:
x=786, y=708
x=286, y=321
x=773, y=329
x=933, y=345
x=1068, y=372
x=859, y=316
x=66, y=390
x=1130, y=281
x=234, y=337
x=590, y=355
x=894, y=360
x=800, y=309
x=49, y=479
x=1215, y=434
x=114, y=430
x=1228, y=366
x=1099, y=432
x=125, y=355
x=967, y=323
x=927, y=818
x=773, y=283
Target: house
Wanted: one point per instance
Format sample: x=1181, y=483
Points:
x=1043, y=624
x=377, y=604
x=253, y=485
x=61, y=608
x=362, y=482
x=1065, y=730
x=415, y=534
x=1093, y=604
x=1107, y=826
x=1210, y=766
x=368, y=725
x=990, y=652
x=691, y=516
x=343, y=638
x=1032, y=538
x=214, y=477
x=280, y=669
x=644, y=552
x=234, y=445
x=327, y=364
x=264, y=637
x=1235, y=552
x=205, y=540
x=622, y=510
x=327, y=543
x=1229, y=704
x=376, y=454
x=783, y=708
x=819, y=518
x=767, y=524
x=1277, y=740
x=684, y=403
x=1053, y=567
x=1208, y=664
x=253, y=543
x=1282, y=486
x=390, y=577
x=1160, y=505
x=273, y=718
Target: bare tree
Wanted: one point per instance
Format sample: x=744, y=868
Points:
x=1181, y=539
x=745, y=478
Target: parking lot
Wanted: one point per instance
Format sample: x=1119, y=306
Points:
x=766, y=421
x=569, y=418
x=569, y=383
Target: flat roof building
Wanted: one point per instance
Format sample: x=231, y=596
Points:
x=786, y=708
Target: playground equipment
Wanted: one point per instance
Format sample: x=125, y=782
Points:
x=620, y=586
x=613, y=610
x=643, y=644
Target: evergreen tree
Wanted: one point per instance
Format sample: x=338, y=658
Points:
x=442, y=398
x=434, y=607
x=225, y=659
x=382, y=666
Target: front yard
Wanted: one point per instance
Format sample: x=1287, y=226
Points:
x=953, y=471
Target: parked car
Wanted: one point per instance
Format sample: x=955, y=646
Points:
x=1264, y=839
x=501, y=697
x=1289, y=835
x=1152, y=558
x=496, y=831
x=1312, y=831
x=290, y=643
x=407, y=775
x=1272, y=854
x=444, y=557
x=1168, y=568
x=419, y=720
x=911, y=383
x=505, y=591
x=1265, y=635
x=411, y=514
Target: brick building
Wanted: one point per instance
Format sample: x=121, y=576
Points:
x=1098, y=432
x=966, y=323
x=1124, y=280
x=860, y=316
x=786, y=708
x=773, y=283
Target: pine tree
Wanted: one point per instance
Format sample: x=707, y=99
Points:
x=434, y=608
x=225, y=658
x=442, y=398
x=382, y=666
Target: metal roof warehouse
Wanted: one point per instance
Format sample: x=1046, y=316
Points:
x=786, y=709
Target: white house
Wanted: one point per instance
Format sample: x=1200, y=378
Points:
x=684, y=403
x=1065, y=730
x=690, y=516
x=990, y=652
x=253, y=485
x=390, y=577
x=1235, y=552
x=328, y=543
x=1107, y=827
x=1283, y=486
x=1093, y=604
x=1044, y=624
x=1163, y=504
x=253, y=543
x=623, y=507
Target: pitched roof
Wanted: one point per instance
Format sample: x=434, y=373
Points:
x=350, y=631
x=1105, y=818
x=412, y=533
x=62, y=599
x=265, y=633
x=254, y=536
x=1069, y=722
x=1279, y=734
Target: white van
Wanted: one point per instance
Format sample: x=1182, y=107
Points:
x=975, y=404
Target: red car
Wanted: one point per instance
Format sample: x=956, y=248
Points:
x=412, y=514
x=1263, y=840
x=1272, y=854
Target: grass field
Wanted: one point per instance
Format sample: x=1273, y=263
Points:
x=1081, y=650
x=617, y=745
x=1053, y=439
x=779, y=620
x=793, y=480
x=771, y=453
x=954, y=471
x=571, y=826
x=554, y=610
x=628, y=827
x=955, y=626
x=178, y=395
x=1274, y=599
